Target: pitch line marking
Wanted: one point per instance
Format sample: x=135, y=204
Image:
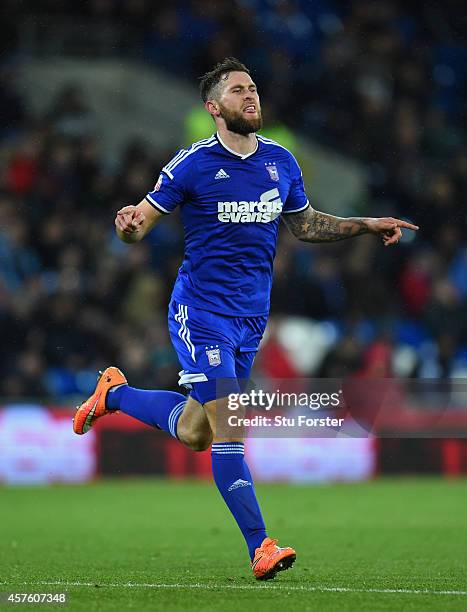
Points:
x=212, y=587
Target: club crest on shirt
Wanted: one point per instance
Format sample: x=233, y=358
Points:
x=272, y=170
x=157, y=186
x=213, y=355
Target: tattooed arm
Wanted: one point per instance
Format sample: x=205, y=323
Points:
x=311, y=225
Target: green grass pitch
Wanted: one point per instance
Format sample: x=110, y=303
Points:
x=157, y=545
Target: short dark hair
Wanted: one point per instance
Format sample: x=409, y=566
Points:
x=211, y=79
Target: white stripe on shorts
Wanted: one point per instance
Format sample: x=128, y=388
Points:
x=184, y=333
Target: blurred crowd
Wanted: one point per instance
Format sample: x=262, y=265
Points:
x=380, y=81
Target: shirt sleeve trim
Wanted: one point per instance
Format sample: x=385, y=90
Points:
x=288, y=212
x=157, y=205
x=169, y=174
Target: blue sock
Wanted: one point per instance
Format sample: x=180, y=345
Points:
x=157, y=408
x=233, y=479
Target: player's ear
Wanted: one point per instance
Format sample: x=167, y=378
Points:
x=212, y=107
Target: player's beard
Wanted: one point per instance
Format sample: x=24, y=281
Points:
x=237, y=123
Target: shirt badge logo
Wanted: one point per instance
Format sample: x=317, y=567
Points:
x=157, y=186
x=272, y=170
x=214, y=355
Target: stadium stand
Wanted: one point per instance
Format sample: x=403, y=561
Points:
x=382, y=82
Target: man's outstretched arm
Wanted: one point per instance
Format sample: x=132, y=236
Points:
x=311, y=225
x=134, y=222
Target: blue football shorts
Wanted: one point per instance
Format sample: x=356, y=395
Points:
x=216, y=352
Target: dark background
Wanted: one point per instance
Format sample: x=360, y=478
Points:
x=379, y=82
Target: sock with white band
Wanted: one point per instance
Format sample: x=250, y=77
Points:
x=156, y=408
x=233, y=479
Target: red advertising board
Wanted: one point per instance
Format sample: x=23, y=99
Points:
x=37, y=445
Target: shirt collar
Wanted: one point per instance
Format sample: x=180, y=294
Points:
x=222, y=143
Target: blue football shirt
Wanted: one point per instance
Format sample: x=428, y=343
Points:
x=230, y=207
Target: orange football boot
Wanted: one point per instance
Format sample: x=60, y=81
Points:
x=94, y=407
x=270, y=559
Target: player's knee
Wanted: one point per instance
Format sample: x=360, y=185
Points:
x=196, y=440
x=200, y=442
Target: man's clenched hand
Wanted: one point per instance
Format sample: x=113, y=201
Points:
x=129, y=220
